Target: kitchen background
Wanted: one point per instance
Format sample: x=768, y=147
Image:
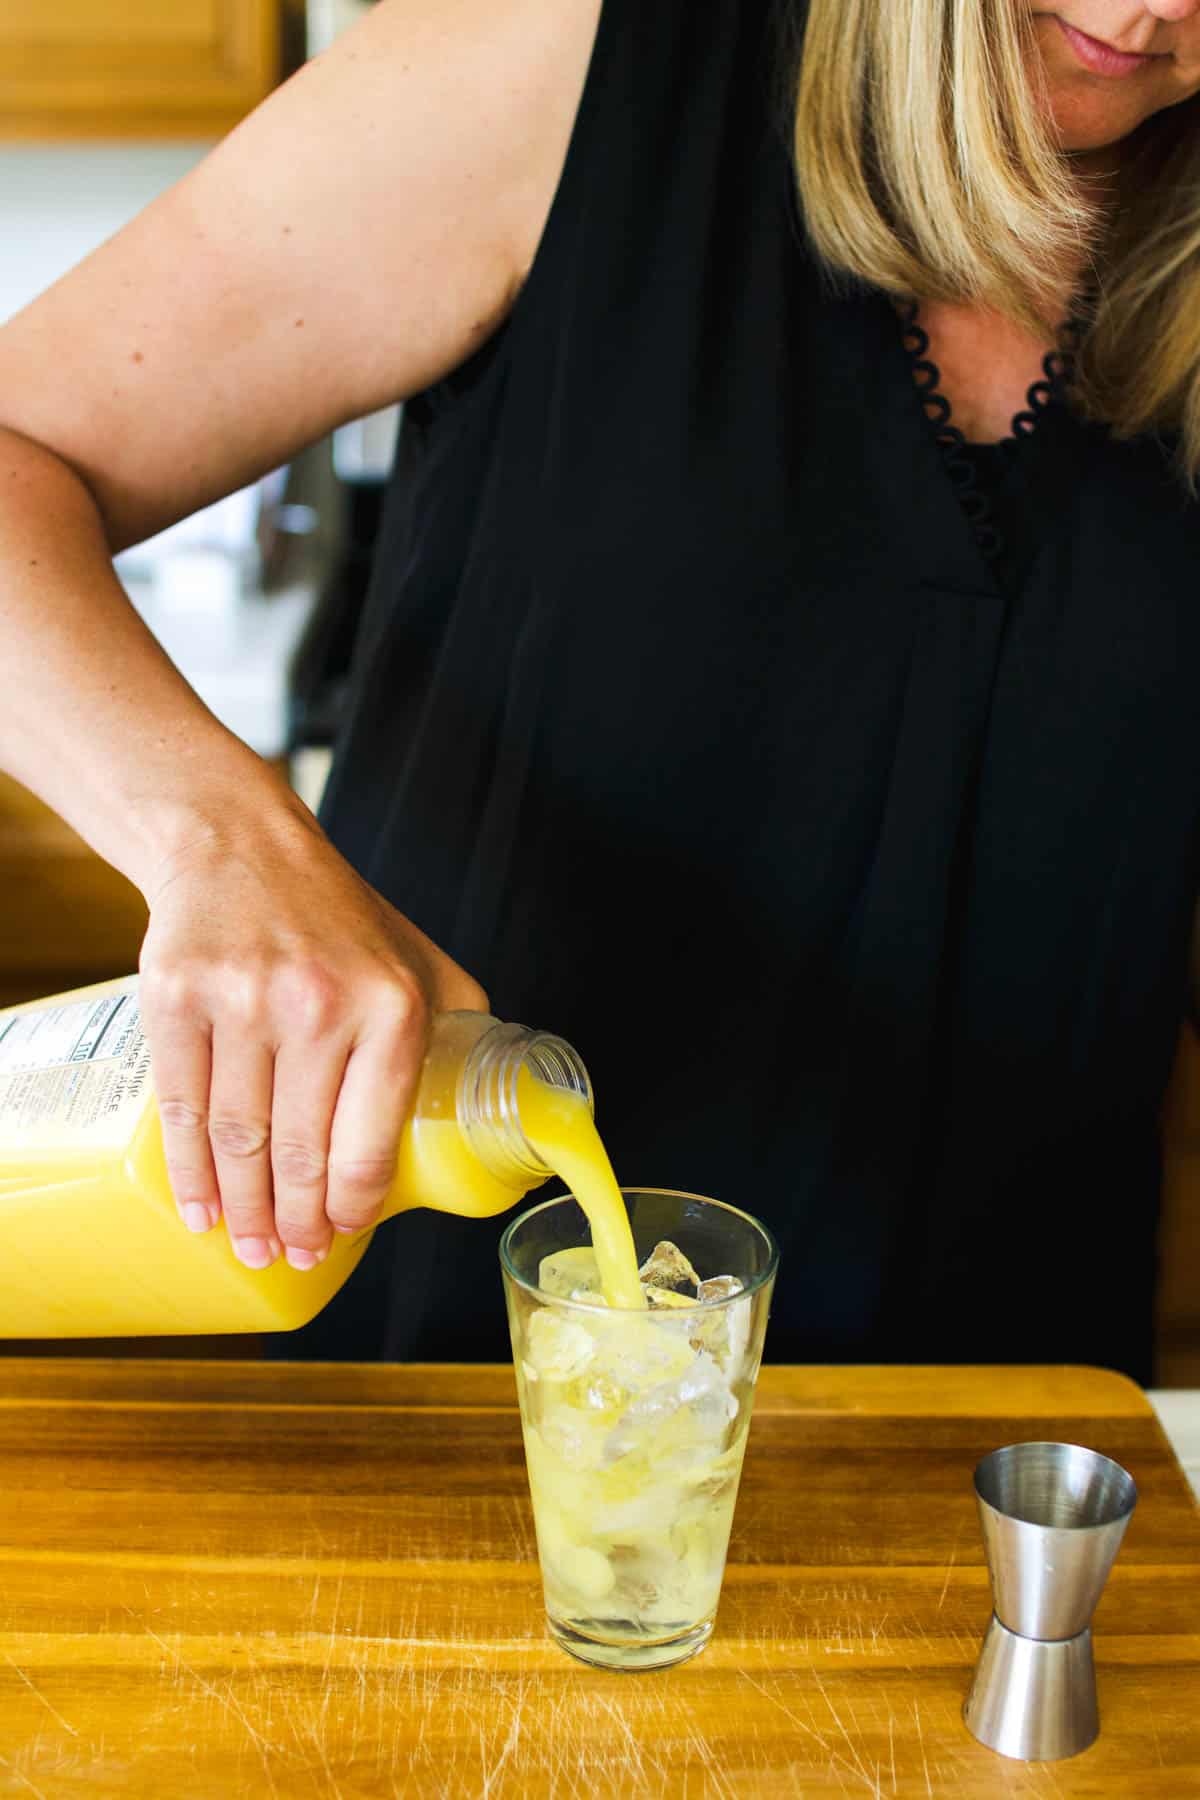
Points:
x=103, y=103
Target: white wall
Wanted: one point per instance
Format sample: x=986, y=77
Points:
x=328, y=18
x=57, y=202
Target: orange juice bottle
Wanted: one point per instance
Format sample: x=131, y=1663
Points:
x=91, y=1244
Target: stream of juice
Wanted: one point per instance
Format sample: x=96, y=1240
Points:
x=559, y=1125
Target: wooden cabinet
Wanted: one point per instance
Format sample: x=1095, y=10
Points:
x=66, y=917
x=1179, y=1239
x=134, y=68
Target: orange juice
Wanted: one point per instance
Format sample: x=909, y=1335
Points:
x=92, y=1242
x=561, y=1129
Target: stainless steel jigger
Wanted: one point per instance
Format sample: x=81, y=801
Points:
x=1053, y=1517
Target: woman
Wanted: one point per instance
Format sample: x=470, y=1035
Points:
x=831, y=782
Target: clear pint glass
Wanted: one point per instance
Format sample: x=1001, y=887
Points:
x=635, y=1423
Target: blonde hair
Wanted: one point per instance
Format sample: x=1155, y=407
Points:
x=926, y=167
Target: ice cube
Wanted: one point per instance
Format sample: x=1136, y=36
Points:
x=677, y=1419
x=636, y=1353
x=701, y=1388
x=559, y=1348
x=712, y=1479
x=578, y=1440
x=720, y=1287
x=568, y=1562
x=585, y=1570
x=722, y=1332
x=572, y=1274
x=667, y=1267
x=696, y=1387
x=706, y=1392
x=664, y=1299
x=596, y=1392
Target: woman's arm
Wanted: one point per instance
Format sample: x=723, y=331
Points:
x=352, y=241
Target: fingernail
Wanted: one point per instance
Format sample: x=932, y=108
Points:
x=256, y=1253
x=305, y=1259
x=198, y=1217
x=346, y=1230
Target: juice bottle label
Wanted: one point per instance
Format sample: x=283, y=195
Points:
x=73, y=1076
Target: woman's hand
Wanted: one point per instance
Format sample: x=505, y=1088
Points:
x=287, y=1007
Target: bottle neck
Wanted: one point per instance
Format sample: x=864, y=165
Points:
x=489, y=1110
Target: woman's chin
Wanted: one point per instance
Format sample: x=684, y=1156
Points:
x=1085, y=126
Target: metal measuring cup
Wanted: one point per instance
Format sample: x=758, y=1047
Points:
x=1053, y=1516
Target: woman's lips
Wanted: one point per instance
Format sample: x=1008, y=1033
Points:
x=1101, y=59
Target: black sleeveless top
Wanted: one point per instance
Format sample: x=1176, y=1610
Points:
x=694, y=716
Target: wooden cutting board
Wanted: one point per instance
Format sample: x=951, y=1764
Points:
x=221, y=1580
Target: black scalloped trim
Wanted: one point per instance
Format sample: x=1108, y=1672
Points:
x=1058, y=368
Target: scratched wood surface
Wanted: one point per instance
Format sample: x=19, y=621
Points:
x=228, y=1580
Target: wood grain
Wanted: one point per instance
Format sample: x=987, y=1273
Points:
x=301, y=1580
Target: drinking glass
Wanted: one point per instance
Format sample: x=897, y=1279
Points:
x=635, y=1423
